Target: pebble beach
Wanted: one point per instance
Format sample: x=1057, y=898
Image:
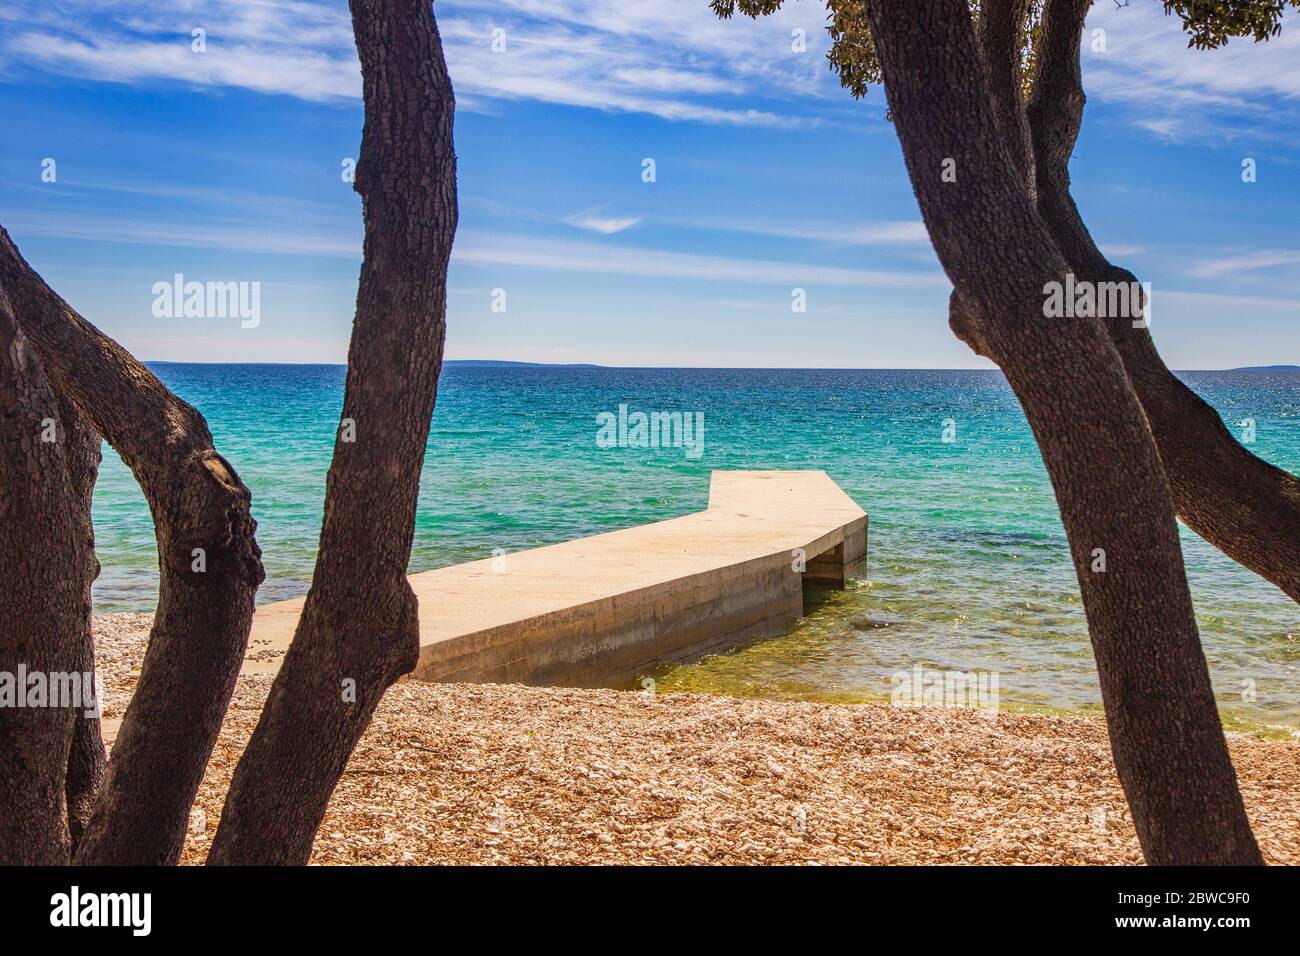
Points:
x=497, y=774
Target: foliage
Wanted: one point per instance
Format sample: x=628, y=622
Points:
x=1208, y=24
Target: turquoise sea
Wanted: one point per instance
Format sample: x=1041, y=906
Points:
x=968, y=564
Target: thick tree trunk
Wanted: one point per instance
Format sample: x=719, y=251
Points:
x=359, y=631
x=40, y=608
x=1247, y=508
x=1165, y=734
x=88, y=759
x=201, y=514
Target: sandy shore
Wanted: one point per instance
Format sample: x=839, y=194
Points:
x=509, y=774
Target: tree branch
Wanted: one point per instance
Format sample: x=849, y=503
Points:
x=87, y=760
x=200, y=630
x=1241, y=504
x=1000, y=34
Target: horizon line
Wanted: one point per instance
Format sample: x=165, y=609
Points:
x=511, y=363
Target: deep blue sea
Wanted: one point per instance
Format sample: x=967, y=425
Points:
x=968, y=564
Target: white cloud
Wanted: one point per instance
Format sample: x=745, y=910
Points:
x=595, y=258
x=1113, y=250
x=1177, y=91
x=904, y=232
x=1166, y=127
x=252, y=237
x=900, y=232
x=1224, y=303
x=675, y=81
x=343, y=241
x=307, y=75
x=1246, y=262
x=607, y=226
x=667, y=58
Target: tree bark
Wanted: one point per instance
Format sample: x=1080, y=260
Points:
x=1164, y=727
x=87, y=759
x=200, y=629
x=1244, y=506
x=359, y=629
x=1000, y=33
x=40, y=604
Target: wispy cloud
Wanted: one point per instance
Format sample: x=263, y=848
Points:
x=472, y=247
x=290, y=47
x=307, y=75
x=1118, y=250
x=599, y=258
x=1166, y=127
x=1245, y=262
x=607, y=226
x=666, y=58
x=1231, y=304
x=1177, y=92
x=805, y=226
x=249, y=237
x=903, y=232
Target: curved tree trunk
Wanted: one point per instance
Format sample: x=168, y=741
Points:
x=200, y=630
x=359, y=630
x=40, y=604
x=1241, y=504
x=87, y=759
x=1164, y=727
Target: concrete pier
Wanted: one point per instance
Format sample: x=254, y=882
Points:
x=602, y=609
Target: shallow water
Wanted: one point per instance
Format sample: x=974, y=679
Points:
x=968, y=565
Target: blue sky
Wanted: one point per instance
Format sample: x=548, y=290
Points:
x=225, y=166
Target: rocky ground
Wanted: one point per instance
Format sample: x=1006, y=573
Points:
x=456, y=773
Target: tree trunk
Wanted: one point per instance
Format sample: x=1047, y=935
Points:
x=87, y=760
x=359, y=630
x=40, y=605
x=201, y=514
x=1164, y=727
x=1244, y=506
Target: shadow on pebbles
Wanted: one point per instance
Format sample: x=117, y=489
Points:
x=463, y=773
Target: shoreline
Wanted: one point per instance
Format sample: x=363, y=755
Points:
x=971, y=559
x=262, y=656
x=494, y=773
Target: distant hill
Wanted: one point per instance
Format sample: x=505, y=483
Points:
x=494, y=363
x=1267, y=368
